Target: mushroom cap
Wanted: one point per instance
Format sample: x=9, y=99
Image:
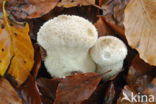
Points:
x=67, y=31
x=108, y=50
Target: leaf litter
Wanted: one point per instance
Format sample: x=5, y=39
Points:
x=36, y=86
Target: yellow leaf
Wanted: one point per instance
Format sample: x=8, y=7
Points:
x=6, y=50
x=17, y=49
x=73, y=3
x=140, y=28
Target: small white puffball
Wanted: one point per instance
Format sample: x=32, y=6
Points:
x=109, y=53
x=67, y=40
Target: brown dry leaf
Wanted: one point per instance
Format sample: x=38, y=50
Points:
x=140, y=28
x=47, y=88
x=37, y=59
x=102, y=28
x=29, y=91
x=33, y=9
x=113, y=10
x=140, y=74
x=101, y=2
x=9, y=3
x=151, y=90
x=115, y=28
x=97, y=96
x=16, y=49
x=110, y=94
x=7, y=93
x=113, y=15
x=126, y=91
x=77, y=88
x=73, y=3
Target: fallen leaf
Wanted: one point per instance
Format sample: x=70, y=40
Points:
x=73, y=3
x=8, y=94
x=110, y=94
x=113, y=15
x=47, y=88
x=101, y=2
x=113, y=11
x=140, y=28
x=140, y=74
x=6, y=51
x=31, y=9
x=116, y=29
x=141, y=66
x=37, y=59
x=29, y=92
x=17, y=53
x=77, y=88
x=151, y=90
x=97, y=96
x=43, y=53
x=9, y=3
x=102, y=28
x=126, y=92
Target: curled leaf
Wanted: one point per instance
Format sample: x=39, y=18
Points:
x=6, y=51
x=17, y=52
x=37, y=59
x=140, y=28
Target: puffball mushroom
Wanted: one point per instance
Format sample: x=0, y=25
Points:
x=67, y=40
x=109, y=53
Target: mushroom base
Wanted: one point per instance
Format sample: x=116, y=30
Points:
x=60, y=63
